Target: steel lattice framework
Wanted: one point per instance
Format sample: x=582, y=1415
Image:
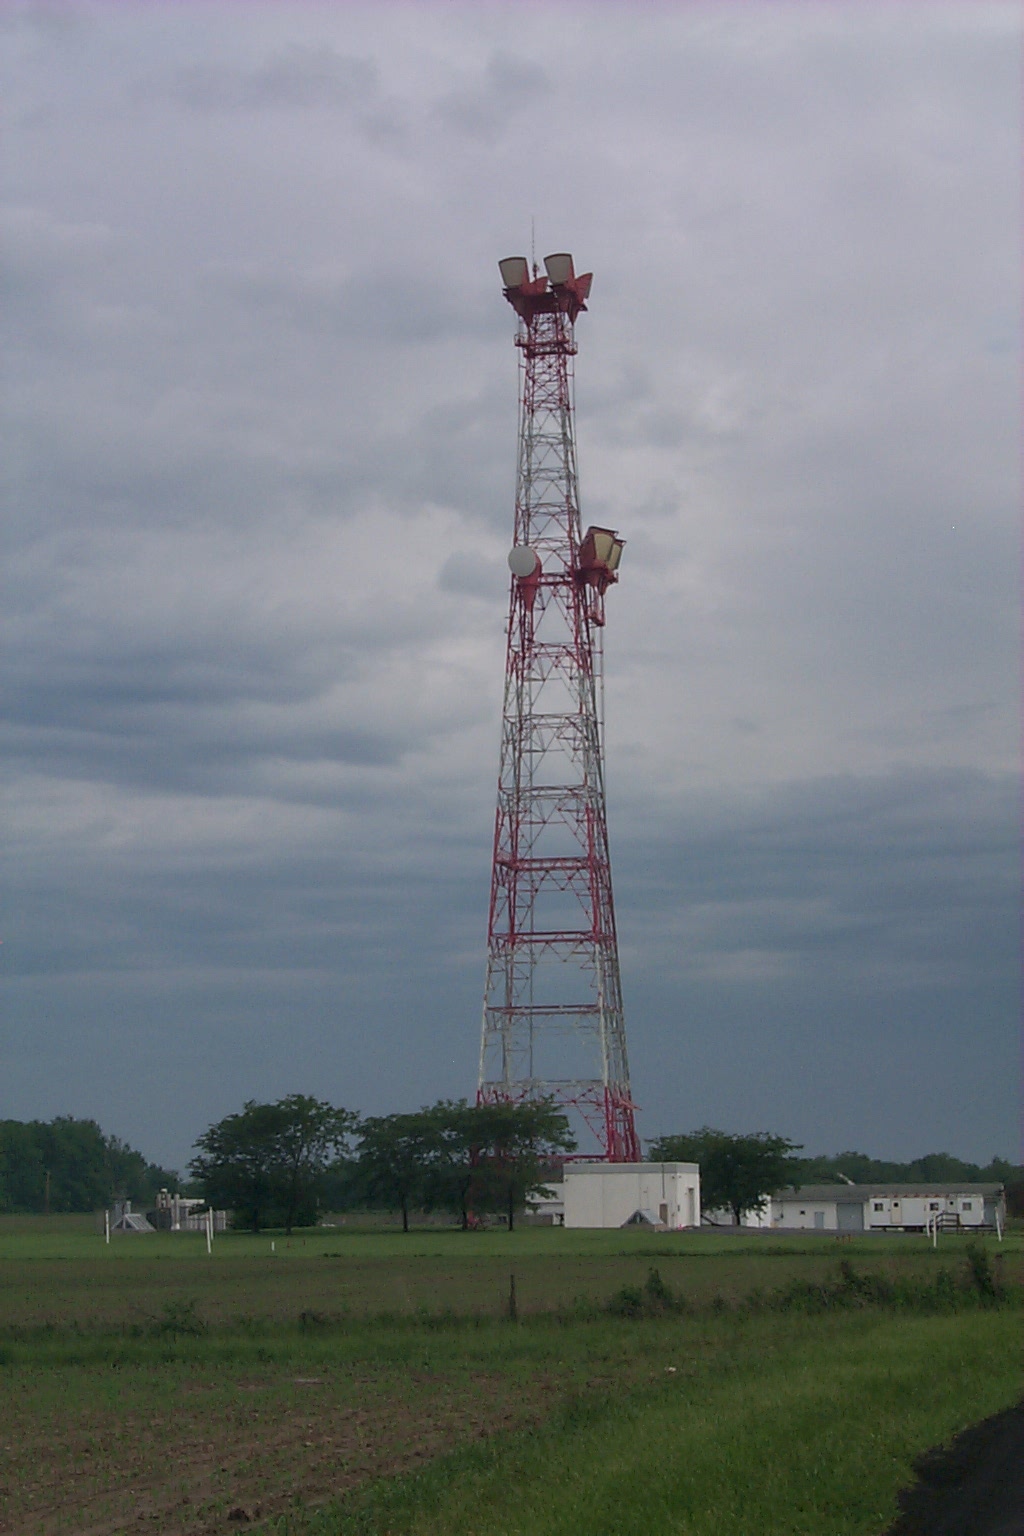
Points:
x=553, y=1019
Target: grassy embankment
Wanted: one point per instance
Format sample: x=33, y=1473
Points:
x=150, y=1387
x=780, y=1427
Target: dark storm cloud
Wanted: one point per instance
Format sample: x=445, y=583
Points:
x=827, y=941
x=96, y=699
x=842, y=901
x=879, y=881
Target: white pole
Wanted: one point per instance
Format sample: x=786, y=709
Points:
x=999, y=1226
x=106, y=1225
x=935, y=1230
x=209, y=1231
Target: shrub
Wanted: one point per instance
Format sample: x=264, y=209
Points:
x=627, y=1302
x=653, y=1299
x=979, y=1273
x=179, y=1317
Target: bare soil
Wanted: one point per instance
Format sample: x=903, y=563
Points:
x=267, y=1443
x=972, y=1487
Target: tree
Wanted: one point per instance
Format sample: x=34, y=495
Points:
x=736, y=1172
x=130, y=1176
x=69, y=1165
x=339, y=1186
x=310, y=1131
x=396, y=1161
x=269, y=1160
x=453, y=1175
x=235, y=1163
x=932, y=1168
x=74, y=1156
x=490, y=1157
x=520, y=1147
x=22, y=1171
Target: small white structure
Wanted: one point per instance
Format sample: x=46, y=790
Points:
x=184, y=1213
x=888, y=1207
x=662, y=1195
x=126, y=1220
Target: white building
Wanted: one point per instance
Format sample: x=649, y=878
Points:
x=615, y=1194
x=756, y=1216
x=888, y=1207
x=181, y=1213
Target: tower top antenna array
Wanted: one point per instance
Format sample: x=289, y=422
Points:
x=553, y=1020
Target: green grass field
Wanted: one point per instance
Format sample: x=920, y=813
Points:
x=367, y=1381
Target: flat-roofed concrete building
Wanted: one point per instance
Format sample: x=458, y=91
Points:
x=615, y=1194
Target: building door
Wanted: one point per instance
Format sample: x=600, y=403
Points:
x=849, y=1216
x=819, y=1221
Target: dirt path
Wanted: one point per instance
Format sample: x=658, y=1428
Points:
x=972, y=1487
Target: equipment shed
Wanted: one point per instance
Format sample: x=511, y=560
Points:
x=611, y=1194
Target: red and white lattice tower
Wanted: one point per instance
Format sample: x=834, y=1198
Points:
x=553, y=1023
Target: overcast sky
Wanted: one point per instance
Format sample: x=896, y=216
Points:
x=259, y=420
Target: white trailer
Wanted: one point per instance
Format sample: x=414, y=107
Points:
x=962, y=1207
x=888, y=1207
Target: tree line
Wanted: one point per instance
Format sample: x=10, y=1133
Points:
x=935, y=1168
x=279, y=1164
x=282, y=1164
x=70, y=1165
x=737, y=1172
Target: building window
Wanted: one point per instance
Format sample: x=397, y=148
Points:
x=965, y=1205
x=933, y=1205
x=879, y=1205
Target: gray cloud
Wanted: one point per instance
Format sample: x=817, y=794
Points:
x=298, y=76
x=488, y=109
x=259, y=406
